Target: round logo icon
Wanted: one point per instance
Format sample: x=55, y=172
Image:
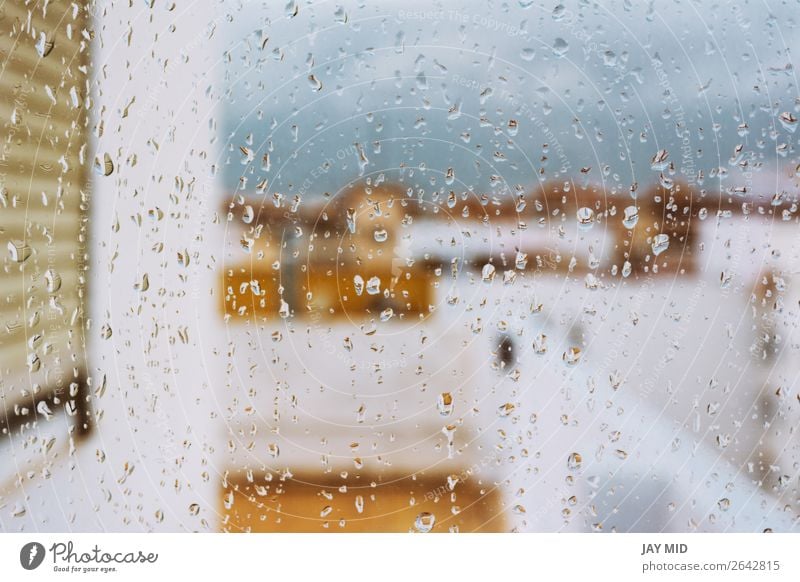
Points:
x=31, y=555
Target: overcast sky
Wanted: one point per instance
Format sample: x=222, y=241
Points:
x=482, y=90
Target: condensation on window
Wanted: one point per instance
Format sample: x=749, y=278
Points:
x=399, y=266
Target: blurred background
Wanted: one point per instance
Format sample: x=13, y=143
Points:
x=430, y=267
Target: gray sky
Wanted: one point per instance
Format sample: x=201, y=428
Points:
x=481, y=88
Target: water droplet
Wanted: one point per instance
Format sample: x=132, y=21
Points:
x=43, y=409
x=571, y=356
x=104, y=167
x=424, y=522
x=540, y=344
x=52, y=280
x=659, y=161
x=19, y=251
x=488, y=272
x=452, y=481
x=373, y=286
x=574, y=461
x=513, y=127
x=506, y=409
x=248, y=215
x=631, y=217
x=340, y=15
x=381, y=235
x=316, y=84
x=44, y=46
x=585, y=217
x=560, y=47
x=387, y=314
x=358, y=284
x=291, y=9
x=350, y=215
x=444, y=404
x=660, y=243
x=788, y=121
x=144, y=284
x=34, y=363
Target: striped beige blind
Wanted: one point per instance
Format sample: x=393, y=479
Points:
x=44, y=110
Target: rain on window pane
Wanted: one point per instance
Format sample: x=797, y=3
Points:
x=338, y=267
